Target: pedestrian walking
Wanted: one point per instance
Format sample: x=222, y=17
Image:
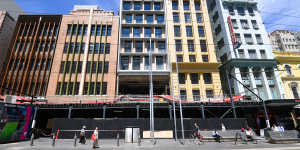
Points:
x=95, y=138
x=82, y=135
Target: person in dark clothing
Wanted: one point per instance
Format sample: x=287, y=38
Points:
x=196, y=130
x=82, y=135
x=217, y=136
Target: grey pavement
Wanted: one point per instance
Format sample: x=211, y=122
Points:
x=162, y=144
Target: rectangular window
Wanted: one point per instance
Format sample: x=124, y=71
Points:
x=161, y=46
x=126, y=6
x=221, y=43
x=189, y=31
x=248, y=38
x=136, y=63
x=158, y=32
x=82, y=48
x=146, y=63
x=197, y=5
x=139, y=46
x=191, y=47
x=194, y=78
x=201, y=31
x=137, y=6
x=150, y=46
x=179, y=58
x=175, y=5
x=234, y=24
x=205, y=58
x=192, y=58
x=178, y=45
x=147, y=6
x=250, y=11
x=231, y=10
x=252, y=54
x=183, y=94
x=207, y=78
x=136, y=32
x=199, y=18
x=104, y=88
x=85, y=29
x=93, y=30
x=203, y=46
x=254, y=24
x=149, y=19
x=157, y=6
x=69, y=29
x=91, y=48
x=186, y=5
x=241, y=11
x=187, y=17
x=245, y=24
x=175, y=17
x=106, y=67
x=218, y=29
x=98, y=30
x=127, y=46
x=159, y=63
x=259, y=39
x=107, y=48
x=196, y=95
x=263, y=54
x=88, y=67
x=177, y=32
x=125, y=32
x=138, y=19
x=62, y=65
x=181, y=78
x=160, y=19
x=128, y=18
x=238, y=38
x=209, y=93
x=215, y=17
x=241, y=53
x=124, y=63
x=148, y=32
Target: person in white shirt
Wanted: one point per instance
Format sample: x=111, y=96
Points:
x=223, y=127
x=82, y=135
x=95, y=135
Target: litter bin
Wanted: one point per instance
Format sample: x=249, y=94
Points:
x=132, y=135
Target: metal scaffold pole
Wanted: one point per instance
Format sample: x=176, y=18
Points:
x=179, y=97
x=151, y=93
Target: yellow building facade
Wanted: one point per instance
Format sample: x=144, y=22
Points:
x=289, y=66
x=191, y=51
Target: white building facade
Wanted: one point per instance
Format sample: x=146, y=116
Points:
x=253, y=62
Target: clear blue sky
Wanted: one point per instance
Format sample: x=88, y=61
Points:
x=277, y=14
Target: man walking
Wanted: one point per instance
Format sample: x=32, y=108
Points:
x=82, y=135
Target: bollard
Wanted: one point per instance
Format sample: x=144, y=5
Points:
x=118, y=139
x=31, y=139
x=75, y=139
x=53, y=140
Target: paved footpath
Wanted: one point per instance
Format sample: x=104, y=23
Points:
x=45, y=144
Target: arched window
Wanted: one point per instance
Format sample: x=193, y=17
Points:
x=288, y=70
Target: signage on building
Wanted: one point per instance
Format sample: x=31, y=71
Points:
x=232, y=34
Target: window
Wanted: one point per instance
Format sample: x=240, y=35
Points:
x=238, y=37
x=147, y=6
x=218, y=29
x=201, y=31
x=161, y=46
x=199, y=18
x=179, y=58
x=124, y=63
x=146, y=63
x=136, y=63
x=186, y=5
x=126, y=6
x=194, y=78
x=61, y=70
x=159, y=63
x=125, y=32
x=175, y=5
x=148, y=46
x=241, y=53
x=138, y=19
x=252, y=54
x=149, y=19
x=250, y=11
x=203, y=46
x=205, y=58
x=181, y=78
x=295, y=91
x=197, y=5
x=160, y=19
x=263, y=54
x=234, y=24
x=196, y=95
x=241, y=11
x=288, y=70
x=137, y=6
x=136, y=32
x=128, y=19
x=221, y=43
x=91, y=48
x=191, y=46
x=231, y=10
x=259, y=39
x=183, y=94
x=93, y=30
x=187, y=17
x=139, y=46
x=254, y=24
x=177, y=32
x=148, y=32
x=192, y=58
x=88, y=67
x=215, y=17
x=245, y=24
x=209, y=93
x=176, y=17
x=248, y=38
x=178, y=45
x=127, y=46
x=207, y=78
x=157, y=6
x=189, y=31
x=158, y=32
